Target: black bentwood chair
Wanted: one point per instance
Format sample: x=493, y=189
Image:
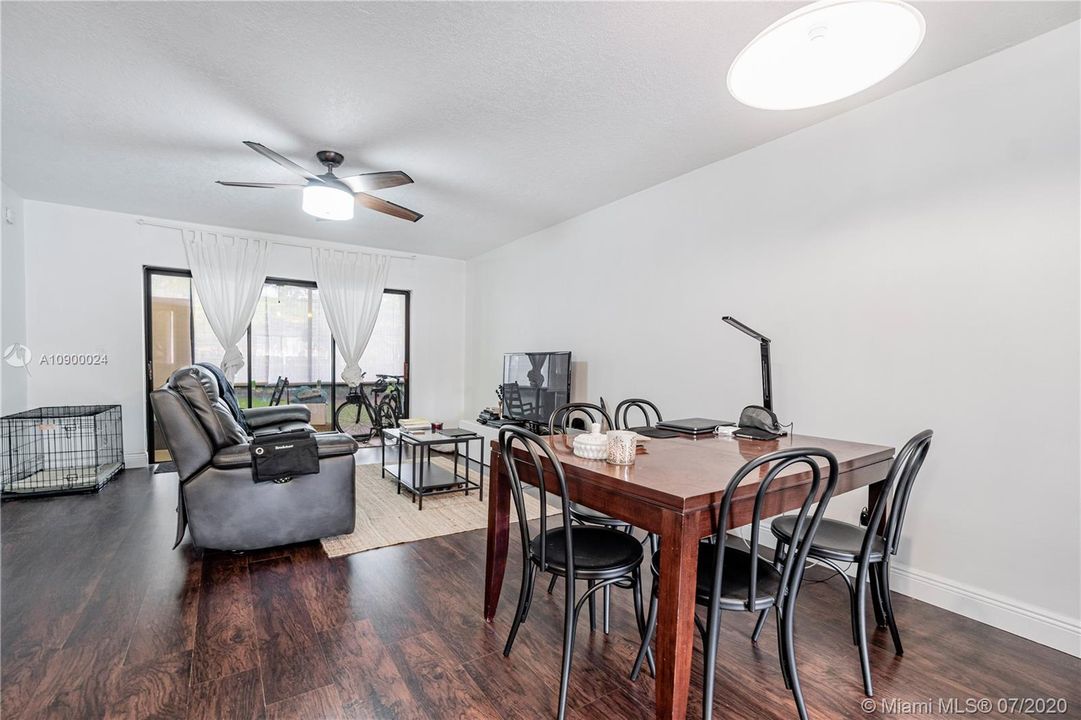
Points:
x=731, y=577
x=869, y=547
x=563, y=420
x=578, y=416
x=600, y=556
x=650, y=412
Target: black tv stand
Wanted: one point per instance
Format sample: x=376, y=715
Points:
x=502, y=422
x=530, y=425
x=536, y=427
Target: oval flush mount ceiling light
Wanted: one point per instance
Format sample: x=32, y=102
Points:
x=824, y=52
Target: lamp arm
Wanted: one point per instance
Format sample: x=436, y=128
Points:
x=767, y=377
x=767, y=374
x=744, y=329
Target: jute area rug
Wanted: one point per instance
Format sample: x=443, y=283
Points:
x=387, y=518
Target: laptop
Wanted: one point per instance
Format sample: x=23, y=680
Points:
x=692, y=426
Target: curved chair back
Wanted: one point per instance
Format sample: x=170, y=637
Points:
x=775, y=464
x=650, y=412
x=536, y=449
x=563, y=415
x=895, y=494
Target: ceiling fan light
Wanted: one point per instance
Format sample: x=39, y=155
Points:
x=825, y=51
x=328, y=203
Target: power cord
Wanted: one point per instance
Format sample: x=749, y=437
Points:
x=832, y=575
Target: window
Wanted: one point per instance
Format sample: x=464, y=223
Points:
x=385, y=354
x=288, y=337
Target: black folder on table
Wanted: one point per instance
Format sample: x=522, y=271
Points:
x=654, y=432
x=692, y=426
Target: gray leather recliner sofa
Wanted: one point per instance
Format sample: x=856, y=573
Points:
x=218, y=499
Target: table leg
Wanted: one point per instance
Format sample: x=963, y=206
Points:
x=675, y=623
x=401, y=442
x=456, y=453
x=425, y=458
x=480, y=472
x=495, y=561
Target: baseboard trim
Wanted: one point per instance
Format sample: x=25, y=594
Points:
x=135, y=460
x=1033, y=623
x=1028, y=621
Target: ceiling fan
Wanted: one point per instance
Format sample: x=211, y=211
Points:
x=329, y=197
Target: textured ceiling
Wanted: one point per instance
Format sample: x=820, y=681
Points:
x=510, y=117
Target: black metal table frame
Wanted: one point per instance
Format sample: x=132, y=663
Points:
x=420, y=452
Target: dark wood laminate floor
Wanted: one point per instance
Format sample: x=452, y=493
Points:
x=101, y=619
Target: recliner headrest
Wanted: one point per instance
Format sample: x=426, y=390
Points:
x=204, y=376
x=199, y=388
x=213, y=370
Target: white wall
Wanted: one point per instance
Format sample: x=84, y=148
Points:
x=85, y=295
x=915, y=262
x=13, y=380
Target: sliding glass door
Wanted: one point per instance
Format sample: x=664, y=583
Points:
x=288, y=341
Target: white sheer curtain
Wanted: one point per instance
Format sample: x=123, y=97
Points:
x=351, y=288
x=228, y=273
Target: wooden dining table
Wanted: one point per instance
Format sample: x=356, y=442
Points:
x=674, y=489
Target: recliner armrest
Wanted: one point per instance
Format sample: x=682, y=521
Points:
x=333, y=444
x=234, y=456
x=330, y=444
x=262, y=416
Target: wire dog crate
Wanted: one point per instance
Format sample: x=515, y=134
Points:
x=65, y=449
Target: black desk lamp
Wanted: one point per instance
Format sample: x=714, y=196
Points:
x=767, y=381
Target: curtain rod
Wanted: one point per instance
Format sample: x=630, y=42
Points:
x=388, y=253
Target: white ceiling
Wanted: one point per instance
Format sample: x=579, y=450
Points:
x=510, y=117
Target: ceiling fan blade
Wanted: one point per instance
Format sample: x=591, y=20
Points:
x=380, y=205
x=282, y=160
x=376, y=180
x=260, y=185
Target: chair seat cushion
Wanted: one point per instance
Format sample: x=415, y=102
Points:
x=835, y=540
x=599, y=552
x=735, y=586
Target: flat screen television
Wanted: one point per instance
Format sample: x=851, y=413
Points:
x=535, y=384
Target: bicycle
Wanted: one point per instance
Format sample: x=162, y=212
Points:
x=392, y=404
x=362, y=417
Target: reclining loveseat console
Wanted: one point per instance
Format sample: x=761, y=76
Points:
x=220, y=501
